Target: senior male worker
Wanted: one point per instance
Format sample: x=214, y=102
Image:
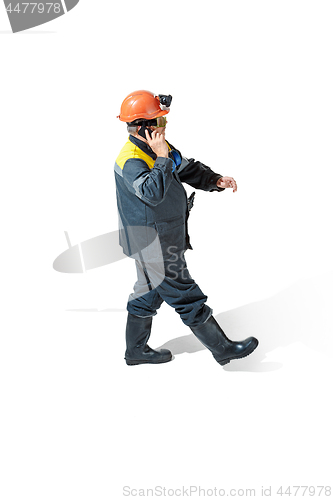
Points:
x=149, y=173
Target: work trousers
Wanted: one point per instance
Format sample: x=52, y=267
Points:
x=168, y=281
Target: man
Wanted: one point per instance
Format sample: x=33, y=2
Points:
x=153, y=211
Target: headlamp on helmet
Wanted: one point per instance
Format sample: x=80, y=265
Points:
x=165, y=100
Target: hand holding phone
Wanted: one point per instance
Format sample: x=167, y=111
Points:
x=157, y=143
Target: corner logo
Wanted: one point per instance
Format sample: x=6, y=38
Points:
x=25, y=15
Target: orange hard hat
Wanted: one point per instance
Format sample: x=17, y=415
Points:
x=141, y=104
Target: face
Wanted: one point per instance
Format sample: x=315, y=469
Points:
x=159, y=130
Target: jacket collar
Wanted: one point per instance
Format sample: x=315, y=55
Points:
x=143, y=146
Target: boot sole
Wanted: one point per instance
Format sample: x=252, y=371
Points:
x=225, y=361
x=131, y=362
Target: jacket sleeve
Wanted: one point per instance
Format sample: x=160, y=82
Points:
x=198, y=175
x=150, y=185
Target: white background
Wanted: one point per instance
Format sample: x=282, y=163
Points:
x=252, y=98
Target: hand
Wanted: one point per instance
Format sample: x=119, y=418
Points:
x=157, y=143
x=227, y=182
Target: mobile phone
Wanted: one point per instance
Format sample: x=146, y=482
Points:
x=142, y=131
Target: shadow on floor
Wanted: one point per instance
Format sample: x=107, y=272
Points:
x=301, y=313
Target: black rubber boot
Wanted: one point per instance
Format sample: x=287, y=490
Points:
x=137, y=335
x=223, y=349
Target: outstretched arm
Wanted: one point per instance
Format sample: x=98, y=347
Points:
x=198, y=175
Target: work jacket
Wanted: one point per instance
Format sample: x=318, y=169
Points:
x=150, y=195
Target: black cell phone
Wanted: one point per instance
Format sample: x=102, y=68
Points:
x=142, y=131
